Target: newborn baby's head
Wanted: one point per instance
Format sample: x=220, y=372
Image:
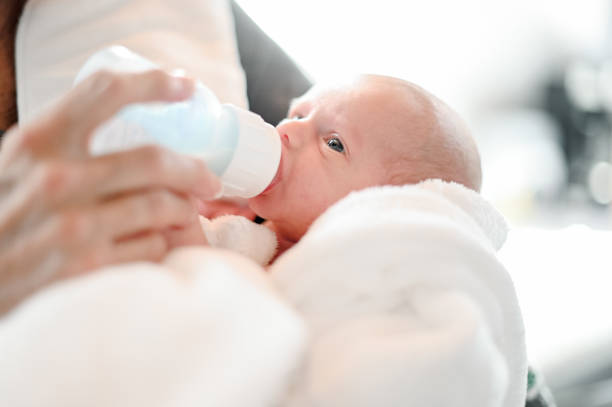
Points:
x=374, y=130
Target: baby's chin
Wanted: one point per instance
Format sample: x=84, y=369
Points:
x=274, y=207
x=264, y=205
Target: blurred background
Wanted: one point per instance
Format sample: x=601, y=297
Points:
x=534, y=81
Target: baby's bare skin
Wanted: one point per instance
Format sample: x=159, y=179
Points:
x=373, y=130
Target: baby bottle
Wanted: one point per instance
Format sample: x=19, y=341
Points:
x=237, y=145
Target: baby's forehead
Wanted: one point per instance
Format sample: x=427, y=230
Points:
x=315, y=93
x=363, y=90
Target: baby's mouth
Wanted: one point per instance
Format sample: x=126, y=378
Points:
x=277, y=178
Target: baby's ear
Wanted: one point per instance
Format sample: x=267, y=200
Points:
x=239, y=234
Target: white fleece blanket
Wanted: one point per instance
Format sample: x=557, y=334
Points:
x=394, y=297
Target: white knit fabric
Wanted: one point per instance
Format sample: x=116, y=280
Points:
x=55, y=37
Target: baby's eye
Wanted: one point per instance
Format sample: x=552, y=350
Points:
x=335, y=144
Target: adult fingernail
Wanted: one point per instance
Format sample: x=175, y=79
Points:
x=208, y=185
x=195, y=202
x=219, y=194
x=210, y=189
x=200, y=206
x=179, y=73
x=180, y=87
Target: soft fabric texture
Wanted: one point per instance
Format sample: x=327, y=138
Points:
x=397, y=296
x=406, y=302
x=55, y=37
x=204, y=328
x=240, y=235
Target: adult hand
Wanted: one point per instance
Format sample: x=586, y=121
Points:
x=63, y=212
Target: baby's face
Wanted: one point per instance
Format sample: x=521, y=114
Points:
x=334, y=140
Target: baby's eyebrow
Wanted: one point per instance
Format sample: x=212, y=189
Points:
x=303, y=99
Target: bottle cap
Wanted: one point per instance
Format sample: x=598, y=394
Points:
x=256, y=157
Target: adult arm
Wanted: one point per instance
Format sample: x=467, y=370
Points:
x=273, y=78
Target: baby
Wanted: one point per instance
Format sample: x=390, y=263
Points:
x=373, y=130
x=403, y=303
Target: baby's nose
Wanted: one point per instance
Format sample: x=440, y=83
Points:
x=293, y=132
x=285, y=139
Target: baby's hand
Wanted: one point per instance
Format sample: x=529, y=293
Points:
x=226, y=206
